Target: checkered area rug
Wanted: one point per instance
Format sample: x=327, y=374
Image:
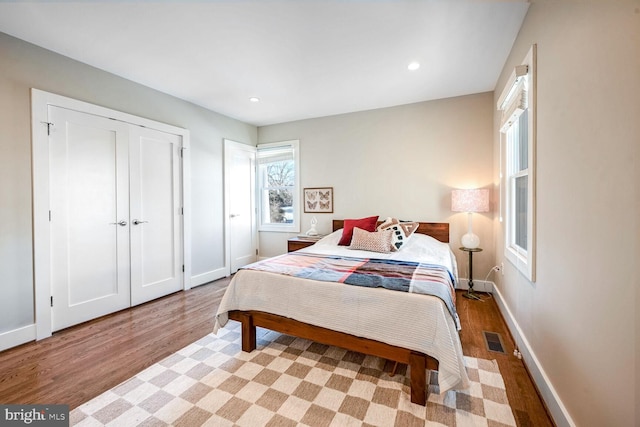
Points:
x=288, y=382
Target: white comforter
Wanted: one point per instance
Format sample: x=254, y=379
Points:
x=414, y=321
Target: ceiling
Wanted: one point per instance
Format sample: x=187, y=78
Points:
x=302, y=58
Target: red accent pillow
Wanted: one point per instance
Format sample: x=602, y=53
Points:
x=368, y=224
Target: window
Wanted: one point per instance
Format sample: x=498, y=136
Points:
x=517, y=130
x=517, y=183
x=278, y=186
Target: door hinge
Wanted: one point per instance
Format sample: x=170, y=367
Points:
x=49, y=124
x=52, y=301
x=181, y=211
x=183, y=268
x=256, y=252
x=49, y=216
x=182, y=151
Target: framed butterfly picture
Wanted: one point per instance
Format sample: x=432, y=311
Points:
x=318, y=200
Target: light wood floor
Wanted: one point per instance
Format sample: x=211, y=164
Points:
x=81, y=362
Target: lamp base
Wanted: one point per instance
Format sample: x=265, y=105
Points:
x=471, y=294
x=470, y=241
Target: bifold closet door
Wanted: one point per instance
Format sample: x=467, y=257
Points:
x=156, y=219
x=89, y=214
x=116, y=221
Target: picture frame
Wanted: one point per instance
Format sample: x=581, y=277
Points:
x=318, y=200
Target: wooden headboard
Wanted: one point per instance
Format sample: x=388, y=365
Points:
x=437, y=230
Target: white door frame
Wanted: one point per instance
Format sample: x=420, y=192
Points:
x=40, y=101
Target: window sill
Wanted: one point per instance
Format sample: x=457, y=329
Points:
x=521, y=262
x=280, y=228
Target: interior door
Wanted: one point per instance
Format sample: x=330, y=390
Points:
x=156, y=220
x=89, y=215
x=240, y=161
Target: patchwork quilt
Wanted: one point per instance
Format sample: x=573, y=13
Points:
x=404, y=276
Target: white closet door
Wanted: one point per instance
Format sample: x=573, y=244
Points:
x=89, y=204
x=156, y=220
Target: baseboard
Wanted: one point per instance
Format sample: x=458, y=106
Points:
x=551, y=399
x=478, y=285
x=17, y=336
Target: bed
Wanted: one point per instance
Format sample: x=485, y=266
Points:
x=406, y=327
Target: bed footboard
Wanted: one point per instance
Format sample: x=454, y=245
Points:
x=418, y=362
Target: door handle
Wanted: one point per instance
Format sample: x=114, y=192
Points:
x=137, y=222
x=234, y=215
x=120, y=223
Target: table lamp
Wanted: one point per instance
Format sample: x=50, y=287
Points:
x=470, y=201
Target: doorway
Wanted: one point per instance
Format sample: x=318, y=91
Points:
x=240, y=210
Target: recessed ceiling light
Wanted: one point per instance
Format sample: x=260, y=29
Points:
x=254, y=99
x=413, y=66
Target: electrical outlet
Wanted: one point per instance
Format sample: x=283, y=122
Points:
x=502, y=268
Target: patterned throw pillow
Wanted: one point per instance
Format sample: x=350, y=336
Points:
x=376, y=241
x=368, y=223
x=401, y=230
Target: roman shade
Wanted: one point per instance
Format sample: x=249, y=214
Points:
x=514, y=100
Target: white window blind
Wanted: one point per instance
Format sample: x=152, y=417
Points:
x=517, y=130
x=283, y=153
x=515, y=102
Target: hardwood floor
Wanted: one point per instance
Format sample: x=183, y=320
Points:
x=479, y=316
x=81, y=362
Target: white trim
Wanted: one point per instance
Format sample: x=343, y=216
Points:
x=558, y=411
x=41, y=226
x=186, y=209
x=227, y=212
x=85, y=107
x=40, y=101
x=478, y=285
x=18, y=336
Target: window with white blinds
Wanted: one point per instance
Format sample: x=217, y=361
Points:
x=517, y=130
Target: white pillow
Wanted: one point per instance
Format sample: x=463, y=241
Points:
x=330, y=239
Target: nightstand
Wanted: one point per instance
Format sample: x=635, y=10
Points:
x=470, y=293
x=296, y=243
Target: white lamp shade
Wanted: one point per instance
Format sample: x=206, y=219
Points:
x=476, y=200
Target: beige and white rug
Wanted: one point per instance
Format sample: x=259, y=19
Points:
x=288, y=382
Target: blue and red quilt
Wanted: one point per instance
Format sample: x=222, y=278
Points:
x=404, y=276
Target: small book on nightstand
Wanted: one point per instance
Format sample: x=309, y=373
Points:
x=312, y=238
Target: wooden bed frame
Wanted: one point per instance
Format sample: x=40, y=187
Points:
x=418, y=362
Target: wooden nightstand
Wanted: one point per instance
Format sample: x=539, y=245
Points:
x=296, y=243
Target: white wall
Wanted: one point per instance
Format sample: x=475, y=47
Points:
x=578, y=317
x=400, y=161
x=25, y=66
